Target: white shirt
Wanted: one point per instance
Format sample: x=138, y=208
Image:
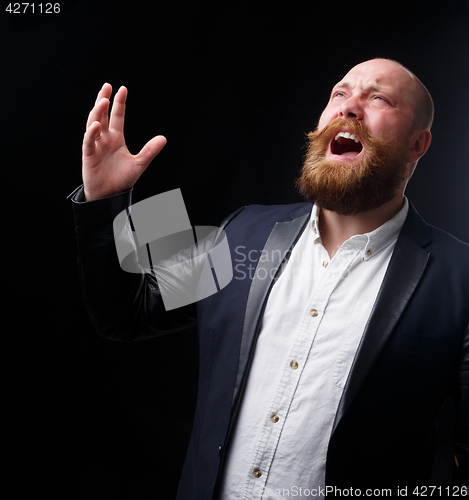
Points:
x=313, y=322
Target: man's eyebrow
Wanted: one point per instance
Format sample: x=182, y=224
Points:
x=340, y=85
x=372, y=86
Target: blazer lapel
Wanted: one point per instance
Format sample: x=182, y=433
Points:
x=404, y=272
x=281, y=240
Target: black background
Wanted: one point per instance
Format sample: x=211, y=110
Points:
x=234, y=86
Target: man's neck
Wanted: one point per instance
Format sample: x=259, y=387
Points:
x=335, y=229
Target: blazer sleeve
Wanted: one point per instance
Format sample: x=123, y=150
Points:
x=122, y=306
x=461, y=400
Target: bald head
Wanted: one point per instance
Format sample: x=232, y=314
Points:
x=421, y=99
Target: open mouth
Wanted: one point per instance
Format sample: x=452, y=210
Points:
x=346, y=144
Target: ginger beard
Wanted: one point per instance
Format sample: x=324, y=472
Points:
x=355, y=186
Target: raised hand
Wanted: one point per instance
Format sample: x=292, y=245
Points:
x=108, y=166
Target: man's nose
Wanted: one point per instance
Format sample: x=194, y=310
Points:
x=351, y=108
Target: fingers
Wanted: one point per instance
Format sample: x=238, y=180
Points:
x=99, y=113
x=118, y=110
x=100, y=110
x=150, y=150
x=105, y=91
x=89, y=140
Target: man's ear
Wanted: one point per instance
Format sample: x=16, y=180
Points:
x=421, y=143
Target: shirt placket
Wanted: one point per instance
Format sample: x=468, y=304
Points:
x=328, y=274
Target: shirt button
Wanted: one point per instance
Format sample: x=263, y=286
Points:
x=313, y=313
x=325, y=263
x=294, y=365
x=368, y=252
x=274, y=418
x=256, y=473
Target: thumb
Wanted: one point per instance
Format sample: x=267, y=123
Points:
x=150, y=150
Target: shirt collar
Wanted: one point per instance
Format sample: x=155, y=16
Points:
x=376, y=240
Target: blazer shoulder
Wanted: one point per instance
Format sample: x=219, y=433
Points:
x=259, y=214
x=447, y=243
x=448, y=238
x=432, y=238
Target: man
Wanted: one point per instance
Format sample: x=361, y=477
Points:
x=325, y=368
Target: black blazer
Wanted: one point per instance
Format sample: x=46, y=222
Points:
x=413, y=354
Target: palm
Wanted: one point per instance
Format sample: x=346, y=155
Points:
x=108, y=166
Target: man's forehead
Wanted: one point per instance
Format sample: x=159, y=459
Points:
x=380, y=74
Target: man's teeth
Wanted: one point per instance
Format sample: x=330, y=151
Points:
x=347, y=135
